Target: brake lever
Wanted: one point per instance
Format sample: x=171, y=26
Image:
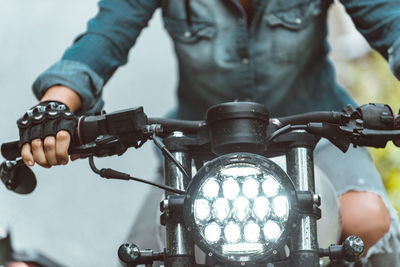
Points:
x=104, y=146
x=343, y=136
x=374, y=138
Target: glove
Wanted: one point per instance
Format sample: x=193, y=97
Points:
x=46, y=119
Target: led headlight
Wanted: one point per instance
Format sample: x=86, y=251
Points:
x=240, y=207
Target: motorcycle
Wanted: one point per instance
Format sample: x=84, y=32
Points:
x=223, y=193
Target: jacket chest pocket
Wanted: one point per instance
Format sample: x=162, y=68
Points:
x=193, y=43
x=294, y=27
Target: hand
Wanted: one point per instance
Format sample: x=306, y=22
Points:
x=50, y=152
x=36, y=150
x=45, y=134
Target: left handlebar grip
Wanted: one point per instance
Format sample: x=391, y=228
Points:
x=10, y=150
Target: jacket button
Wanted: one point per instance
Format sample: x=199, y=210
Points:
x=298, y=20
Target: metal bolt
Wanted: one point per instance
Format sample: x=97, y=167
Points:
x=317, y=199
x=164, y=205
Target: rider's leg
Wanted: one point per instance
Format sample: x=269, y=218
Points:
x=365, y=206
x=364, y=214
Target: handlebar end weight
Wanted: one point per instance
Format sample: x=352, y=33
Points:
x=129, y=253
x=17, y=177
x=353, y=248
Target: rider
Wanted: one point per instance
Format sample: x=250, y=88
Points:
x=272, y=52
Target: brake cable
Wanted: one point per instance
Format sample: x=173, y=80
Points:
x=169, y=155
x=113, y=174
x=285, y=129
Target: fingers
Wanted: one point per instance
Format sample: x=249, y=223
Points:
x=26, y=155
x=63, y=140
x=50, y=152
x=38, y=153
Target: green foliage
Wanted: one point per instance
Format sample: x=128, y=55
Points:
x=369, y=80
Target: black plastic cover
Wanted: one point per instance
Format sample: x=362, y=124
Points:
x=237, y=127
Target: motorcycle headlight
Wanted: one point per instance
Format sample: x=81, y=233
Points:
x=240, y=207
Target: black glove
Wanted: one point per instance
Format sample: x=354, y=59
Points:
x=46, y=119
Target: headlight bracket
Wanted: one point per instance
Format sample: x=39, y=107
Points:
x=308, y=203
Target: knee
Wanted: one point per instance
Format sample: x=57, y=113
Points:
x=364, y=214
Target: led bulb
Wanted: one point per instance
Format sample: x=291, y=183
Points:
x=212, y=232
x=261, y=207
x=270, y=187
x=201, y=209
x=250, y=188
x=271, y=230
x=211, y=188
x=280, y=206
x=230, y=188
x=252, y=232
x=221, y=209
x=232, y=232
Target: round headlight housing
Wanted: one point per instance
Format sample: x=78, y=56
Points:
x=240, y=207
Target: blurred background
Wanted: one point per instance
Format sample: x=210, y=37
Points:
x=73, y=215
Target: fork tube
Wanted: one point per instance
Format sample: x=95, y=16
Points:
x=179, y=247
x=304, y=244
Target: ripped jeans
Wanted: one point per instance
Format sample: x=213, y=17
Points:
x=356, y=173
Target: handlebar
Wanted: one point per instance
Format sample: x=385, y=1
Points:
x=107, y=134
x=112, y=134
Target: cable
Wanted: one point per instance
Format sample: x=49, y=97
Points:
x=168, y=154
x=113, y=174
x=285, y=129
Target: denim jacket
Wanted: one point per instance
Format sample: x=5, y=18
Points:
x=279, y=60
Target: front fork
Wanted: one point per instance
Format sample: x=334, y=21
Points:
x=179, y=247
x=304, y=249
x=303, y=244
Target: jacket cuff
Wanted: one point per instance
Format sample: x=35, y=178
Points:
x=77, y=76
x=394, y=58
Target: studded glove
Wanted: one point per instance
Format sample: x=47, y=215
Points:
x=46, y=119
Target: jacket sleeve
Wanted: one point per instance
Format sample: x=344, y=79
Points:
x=379, y=22
x=94, y=56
